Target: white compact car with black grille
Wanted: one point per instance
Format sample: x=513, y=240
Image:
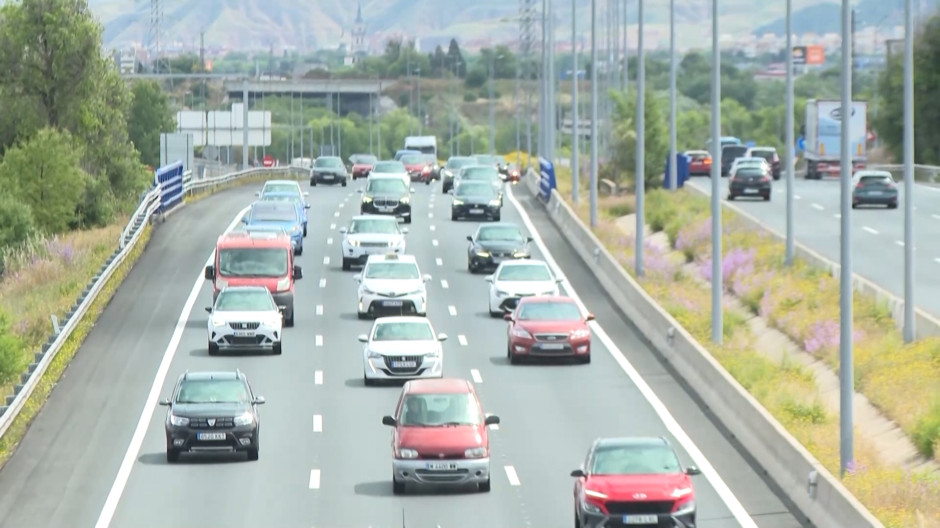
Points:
x=371, y=235
x=514, y=279
x=392, y=285
x=402, y=348
x=245, y=318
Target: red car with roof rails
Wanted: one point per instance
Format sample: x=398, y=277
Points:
x=362, y=165
x=548, y=327
x=440, y=436
x=633, y=482
x=419, y=167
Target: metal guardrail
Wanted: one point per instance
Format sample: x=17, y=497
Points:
x=149, y=206
x=922, y=173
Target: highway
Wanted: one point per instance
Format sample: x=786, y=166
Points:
x=95, y=454
x=877, y=232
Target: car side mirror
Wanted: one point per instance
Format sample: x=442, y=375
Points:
x=208, y=309
x=578, y=473
x=259, y=400
x=363, y=338
x=245, y=219
x=298, y=272
x=404, y=230
x=442, y=337
x=469, y=238
x=507, y=317
x=692, y=470
x=412, y=190
x=529, y=239
x=343, y=230
x=165, y=402
x=389, y=421
x=489, y=279
x=258, y=194
x=306, y=206
x=360, y=191
x=559, y=281
x=210, y=273
x=426, y=278
x=491, y=420
x=590, y=317
x=281, y=309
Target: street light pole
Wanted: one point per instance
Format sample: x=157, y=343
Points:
x=788, y=155
x=673, y=159
x=593, y=190
x=492, y=104
x=717, y=279
x=575, y=132
x=909, y=329
x=418, y=104
x=640, y=118
x=846, y=381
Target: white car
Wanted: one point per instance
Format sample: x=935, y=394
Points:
x=749, y=162
x=371, y=235
x=282, y=186
x=392, y=285
x=402, y=348
x=391, y=168
x=514, y=279
x=245, y=318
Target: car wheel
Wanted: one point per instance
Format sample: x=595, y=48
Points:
x=767, y=197
x=854, y=205
x=305, y=231
x=344, y=182
x=398, y=488
x=346, y=264
x=453, y=216
x=730, y=197
x=577, y=521
x=313, y=183
x=277, y=349
x=513, y=359
x=252, y=454
x=367, y=382
x=892, y=206
x=484, y=486
x=585, y=360
x=300, y=250
x=172, y=456
x=407, y=219
x=289, y=320
x=362, y=315
x=213, y=348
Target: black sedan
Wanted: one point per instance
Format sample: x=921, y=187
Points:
x=212, y=411
x=328, y=169
x=386, y=195
x=494, y=243
x=476, y=199
x=749, y=181
x=874, y=188
x=450, y=169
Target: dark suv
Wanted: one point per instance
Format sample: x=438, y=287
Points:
x=328, y=169
x=212, y=411
x=729, y=153
x=450, y=169
x=386, y=195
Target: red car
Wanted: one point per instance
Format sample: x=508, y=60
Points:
x=700, y=162
x=362, y=165
x=440, y=436
x=418, y=167
x=633, y=482
x=548, y=327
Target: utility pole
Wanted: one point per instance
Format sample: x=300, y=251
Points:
x=717, y=277
x=846, y=367
x=593, y=190
x=788, y=158
x=492, y=104
x=575, y=129
x=640, y=144
x=420, y=113
x=909, y=320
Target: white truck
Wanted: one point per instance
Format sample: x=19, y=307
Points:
x=822, y=136
x=423, y=144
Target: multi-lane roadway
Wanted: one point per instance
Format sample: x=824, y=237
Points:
x=877, y=232
x=95, y=454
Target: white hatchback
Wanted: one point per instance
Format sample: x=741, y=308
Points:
x=392, y=285
x=514, y=279
x=245, y=318
x=402, y=348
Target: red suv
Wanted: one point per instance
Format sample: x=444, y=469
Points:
x=633, y=482
x=548, y=327
x=440, y=435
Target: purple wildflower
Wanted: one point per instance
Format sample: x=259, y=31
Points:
x=693, y=237
x=657, y=263
x=737, y=263
x=822, y=335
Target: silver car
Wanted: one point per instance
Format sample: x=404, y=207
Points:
x=244, y=318
x=371, y=235
x=402, y=348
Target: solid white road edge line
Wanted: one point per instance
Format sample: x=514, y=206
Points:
x=475, y=374
x=150, y=404
x=708, y=471
x=317, y=423
x=512, y=476
x=314, y=479
x=318, y=377
x=462, y=339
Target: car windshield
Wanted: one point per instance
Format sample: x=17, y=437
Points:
x=391, y=270
x=749, y=161
x=386, y=167
x=328, y=162
x=765, y=154
x=549, y=311
x=245, y=301
x=429, y=158
x=524, y=273
x=732, y=152
x=364, y=159
x=479, y=174
x=417, y=331
x=475, y=189
x=253, y=262
x=280, y=188
x=213, y=391
x=413, y=159
x=635, y=460
x=385, y=227
x=487, y=160
x=440, y=410
x=456, y=163
x=273, y=214
x=507, y=233
x=390, y=186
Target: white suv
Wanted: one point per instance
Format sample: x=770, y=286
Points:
x=392, y=285
x=245, y=318
x=371, y=235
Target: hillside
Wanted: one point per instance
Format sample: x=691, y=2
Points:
x=825, y=17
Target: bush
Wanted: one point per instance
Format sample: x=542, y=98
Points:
x=16, y=225
x=469, y=97
x=12, y=359
x=926, y=434
x=476, y=78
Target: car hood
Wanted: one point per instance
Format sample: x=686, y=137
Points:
x=268, y=282
x=289, y=225
x=442, y=440
x=248, y=317
x=525, y=287
x=393, y=286
x=375, y=237
x=501, y=245
x=623, y=487
x=201, y=410
x=552, y=326
x=476, y=199
x=407, y=348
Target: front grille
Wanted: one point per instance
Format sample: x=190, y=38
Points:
x=403, y=370
x=385, y=202
x=391, y=295
x=373, y=244
x=501, y=253
x=551, y=337
x=451, y=475
x=639, y=507
x=244, y=326
x=256, y=340
x=203, y=423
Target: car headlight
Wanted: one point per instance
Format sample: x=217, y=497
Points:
x=589, y=507
x=520, y=254
x=407, y=453
x=580, y=334
x=475, y=452
x=483, y=254
x=367, y=291
x=519, y=332
x=296, y=229
x=243, y=419
x=458, y=202
x=405, y=200
x=366, y=199
x=494, y=202
x=178, y=421
x=354, y=242
x=501, y=293
x=372, y=354
x=416, y=292
x=435, y=354
x=218, y=322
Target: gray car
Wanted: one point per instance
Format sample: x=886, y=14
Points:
x=874, y=188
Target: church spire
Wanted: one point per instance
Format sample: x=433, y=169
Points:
x=359, y=13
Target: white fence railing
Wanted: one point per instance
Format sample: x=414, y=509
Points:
x=131, y=234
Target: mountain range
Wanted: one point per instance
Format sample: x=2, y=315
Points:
x=317, y=24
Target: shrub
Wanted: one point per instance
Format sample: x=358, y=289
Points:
x=469, y=97
x=476, y=78
x=926, y=434
x=660, y=209
x=12, y=359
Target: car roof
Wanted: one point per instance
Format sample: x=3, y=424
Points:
x=632, y=441
x=534, y=299
x=329, y=157
x=523, y=262
x=244, y=240
x=392, y=257
x=739, y=147
x=281, y=182
x=214, y=375
x=878, y=173
x=385, y=176
x=273, y=205
x=438, y=386
x=401, y=319
x=243, y=288
x=763, y=148
x=383, y=218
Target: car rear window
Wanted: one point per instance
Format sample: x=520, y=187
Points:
x=732, y=152
x=698, y=156
x=750, y=173
x=766, y=154
x=876, y=179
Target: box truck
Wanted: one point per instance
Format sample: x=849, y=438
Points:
x=822, y=135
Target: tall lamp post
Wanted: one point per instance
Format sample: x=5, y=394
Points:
x=492, y=105
x=575, y=119
x=717, y=279
x=418, y=104
x=846, y=370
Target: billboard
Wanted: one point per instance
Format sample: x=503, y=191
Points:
x=225, y=128
x=809, y=55
x=829, y=128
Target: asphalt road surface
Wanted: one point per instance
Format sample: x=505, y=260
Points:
x=877, y=232
x=95, y=454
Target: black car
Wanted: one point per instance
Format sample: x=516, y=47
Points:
x=387, y=195
x=748, y=181
x=481, y=173
x=874, y=188
x=449, y=170
x=476, y=199
x=328, y=169
x=729, y=153
x=494, y=243
x=212, y=412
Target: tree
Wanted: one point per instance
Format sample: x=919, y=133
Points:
x=16, y=223
x=43, y=173
x=149, y=116
x=455, y=59
x=656, y=145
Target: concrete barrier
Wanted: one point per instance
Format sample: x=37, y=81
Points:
x=812, y=488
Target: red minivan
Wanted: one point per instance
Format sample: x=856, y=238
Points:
x=256, y=259
x=440, y=435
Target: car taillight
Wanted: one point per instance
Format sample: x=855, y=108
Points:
x=426, y=169
x=859, y=185
x=765, y=178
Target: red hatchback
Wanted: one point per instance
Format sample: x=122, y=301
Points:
x=418, y=167
x=700, y=162
x=362, y=165
x=440, y=436
x=633, y=482
x=548, y=327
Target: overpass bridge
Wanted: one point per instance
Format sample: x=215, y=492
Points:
x=348, y=95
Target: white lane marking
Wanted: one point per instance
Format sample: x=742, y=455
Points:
x=434, y=242
x=342, y=204
x=512, y=476
x=150, y=404
x=494, y=427
x=323, y=283
x=439, y=262
x=796, y=197
x=318, y=377
x=837, y=215
x=937, y=260
x=452, y=309
x=870, y=230
x=434, y=228
x=317, y=423
x=336, y=214
x=329, y=241
x=444, y=284
x=475, y=374
x=708, y=471
x=326, y=261
x=899, y=242
x=349, y=195
x=430, y=215
x=319, y=309
x=817, y=207
x=332, y=227
x=314, y=479
x=318, y=340
x=462, y=339
x=935, y=217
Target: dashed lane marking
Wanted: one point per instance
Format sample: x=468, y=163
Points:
x=462, y=339
x=475, y=374
x=444, y=284
x=870, y=230
x=326, y=261
x=342, y=204
x=452, y=309
x=935, y=217
x=317, y=423
x=323, y=283
x=329, y=241
x=512, y=476
x=319, y=340
x=332, y=227
x=817, y=207
x=434, y=228
x=319, y=309
x=318, y=377
x=434, y=242
x=314, y=479
x=430, y=215
x=336, y=214
x=439, y=262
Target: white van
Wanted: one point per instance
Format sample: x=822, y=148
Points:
x=423, y=144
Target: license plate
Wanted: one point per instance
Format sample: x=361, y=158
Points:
x=327, y=176
x=441, y=466
x=751, y=191
x=404, y=364
x=244, y=333
x=874, y=193
x=391, y=303
x=211, y=436
x=553, y=346
x=640, y=519
x=476, y=211
x=385, y=209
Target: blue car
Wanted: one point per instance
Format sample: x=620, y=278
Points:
x=289, y=197
x=277, y=214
